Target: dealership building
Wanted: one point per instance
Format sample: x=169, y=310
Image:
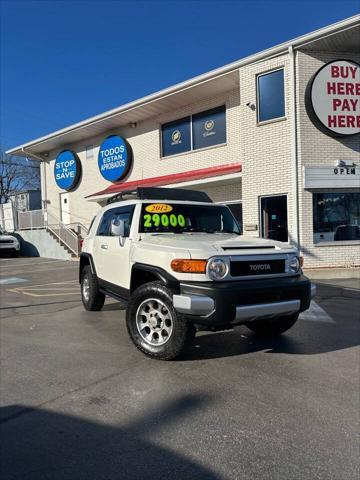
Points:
x=276, y=136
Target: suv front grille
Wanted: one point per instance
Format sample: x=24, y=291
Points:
x=256, y=267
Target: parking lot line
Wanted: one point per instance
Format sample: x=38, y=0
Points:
x=52, y=289
x=14, y=265
x=316, y=314
x=10, y=280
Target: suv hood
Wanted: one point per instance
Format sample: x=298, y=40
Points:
x=217, y=243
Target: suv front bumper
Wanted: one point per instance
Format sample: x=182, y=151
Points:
x=233, y=303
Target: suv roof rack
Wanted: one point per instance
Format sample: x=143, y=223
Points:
x=155, y=193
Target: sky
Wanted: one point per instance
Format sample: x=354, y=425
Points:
x=64, y=61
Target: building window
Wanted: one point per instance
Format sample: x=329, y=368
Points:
x=176, y=137
x=209, y=128
x=270, y=96
x=89, y=152
x=336, y=216
x=202, y=130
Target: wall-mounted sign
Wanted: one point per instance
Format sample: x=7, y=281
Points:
x=115, y=158
x=176, y=137
x=332, y=98
x=332, y=177
x=67, y=170
x=209, y=128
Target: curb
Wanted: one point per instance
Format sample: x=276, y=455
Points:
x=322, y=290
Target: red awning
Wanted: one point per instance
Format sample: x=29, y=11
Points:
x=171, y=179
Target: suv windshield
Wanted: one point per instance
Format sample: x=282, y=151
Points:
x=179, y=218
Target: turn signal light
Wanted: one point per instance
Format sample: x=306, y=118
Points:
x=301, y=261
x=188, y=266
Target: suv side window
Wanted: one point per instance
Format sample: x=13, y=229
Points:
x=115, y=214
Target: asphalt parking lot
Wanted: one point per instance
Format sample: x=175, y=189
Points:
x=79, y=401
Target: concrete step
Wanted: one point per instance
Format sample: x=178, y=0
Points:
x=62, y=244
x=40, y=243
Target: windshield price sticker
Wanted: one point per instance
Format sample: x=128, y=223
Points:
x=159, y=208
x=155, y=220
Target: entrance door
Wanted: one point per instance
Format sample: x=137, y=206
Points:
x=274, y=223
x=236, y=209
x=64, y=208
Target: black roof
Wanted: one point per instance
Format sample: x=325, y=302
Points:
x=157, y=193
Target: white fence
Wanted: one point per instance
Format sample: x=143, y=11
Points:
x=7, y=220
x=33, y=219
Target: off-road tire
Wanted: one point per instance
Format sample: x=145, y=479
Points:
x=272, y=327
x=182, y=331
x=96, y=299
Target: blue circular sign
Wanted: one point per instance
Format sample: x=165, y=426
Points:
x=67, y=170
x=114, y=159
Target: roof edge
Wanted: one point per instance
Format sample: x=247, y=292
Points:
x=169, y=179
x=272, y=51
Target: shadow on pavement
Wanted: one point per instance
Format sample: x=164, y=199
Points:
x=109, y=307
x=231, y=343
x=305, y=338
x=39, y=444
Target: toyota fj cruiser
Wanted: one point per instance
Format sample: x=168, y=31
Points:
x=179, y=262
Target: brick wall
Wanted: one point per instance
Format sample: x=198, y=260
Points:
x=266, y=148
x=145, y=143
x=317, y=148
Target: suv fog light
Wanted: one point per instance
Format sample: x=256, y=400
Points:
x=294, y=265
x=217, y=269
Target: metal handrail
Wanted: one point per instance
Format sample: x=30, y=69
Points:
x=63, y=233
x=34, y=219
x=79, y=228
x=30, y=220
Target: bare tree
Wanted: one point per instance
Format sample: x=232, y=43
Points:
x=17, y=174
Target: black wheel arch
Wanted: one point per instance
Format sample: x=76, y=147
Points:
x=142, y=273
x=86, y=259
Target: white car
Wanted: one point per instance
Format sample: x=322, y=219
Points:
x=9, y=243
x=179, y=262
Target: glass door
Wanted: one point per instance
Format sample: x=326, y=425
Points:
x=274, y=222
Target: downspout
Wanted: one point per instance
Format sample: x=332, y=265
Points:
x=33, y=156
x=294, y=151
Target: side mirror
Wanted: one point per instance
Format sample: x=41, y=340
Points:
x=117, y=228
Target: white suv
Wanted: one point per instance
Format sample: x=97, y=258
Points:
x=9, y=243
x=180, y=263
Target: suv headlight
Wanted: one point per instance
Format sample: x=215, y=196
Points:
x=294, y=265
x=217, y=269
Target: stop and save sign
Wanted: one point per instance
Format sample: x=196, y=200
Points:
x=335, y=97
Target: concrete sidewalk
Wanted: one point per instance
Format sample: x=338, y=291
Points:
x=349, y=287
x=351, y=273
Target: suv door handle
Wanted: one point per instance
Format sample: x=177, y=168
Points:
x=104, y=246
